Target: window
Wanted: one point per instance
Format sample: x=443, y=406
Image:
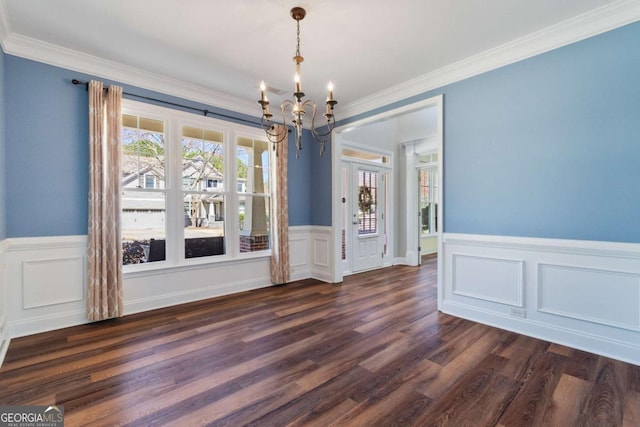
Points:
x=363, y=155
x=429, y=200
x=149, y=181
x=176, y=205
x=143, y=214
x=253, y=168
x=202, y=163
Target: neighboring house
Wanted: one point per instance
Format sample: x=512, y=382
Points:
x=145, y=209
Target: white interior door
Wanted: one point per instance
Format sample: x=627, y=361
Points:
x=367, y=217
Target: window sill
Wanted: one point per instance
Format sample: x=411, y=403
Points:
x=164, y=267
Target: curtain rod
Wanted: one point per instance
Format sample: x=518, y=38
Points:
x=204, y=112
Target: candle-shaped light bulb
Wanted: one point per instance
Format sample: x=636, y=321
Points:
x=263, y=87
x=296, y=78
x=330, y=88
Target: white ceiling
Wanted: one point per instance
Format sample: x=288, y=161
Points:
x=407, y=127
x=363, y=46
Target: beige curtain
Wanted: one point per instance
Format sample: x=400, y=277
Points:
x=104, y=243
x=280, y=214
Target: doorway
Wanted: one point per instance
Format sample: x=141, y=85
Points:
x=383, y=131
x=364, y=225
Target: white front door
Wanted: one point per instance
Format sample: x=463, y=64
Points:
x=368, y=190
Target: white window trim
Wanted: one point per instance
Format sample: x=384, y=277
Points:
x=433, y=169
x=174, y=121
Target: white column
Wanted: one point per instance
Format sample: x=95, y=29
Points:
x=255, y=217
x=412, y=253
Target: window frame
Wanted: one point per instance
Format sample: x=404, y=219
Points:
x=174, y=120
x=432, y=199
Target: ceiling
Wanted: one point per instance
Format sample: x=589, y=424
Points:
x=363, y=46
x=407, y=127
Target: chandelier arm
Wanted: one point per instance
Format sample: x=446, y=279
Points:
x=331, y=123
x=269, y=128
x=320, y=137
x=287, y=103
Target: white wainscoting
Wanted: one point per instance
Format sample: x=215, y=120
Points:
x=321, y=239
x=46, y=283
x=577, y=293
x=45, y=279
x=490, y=279
x=4, y=318
x=300, y=252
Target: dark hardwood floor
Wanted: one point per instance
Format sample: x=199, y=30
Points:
x=370, y=352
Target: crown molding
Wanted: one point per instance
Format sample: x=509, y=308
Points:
x=40, y=51
x=589, y=24
x=5, y=24
x=597, y=21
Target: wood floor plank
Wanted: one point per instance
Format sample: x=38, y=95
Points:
x=372, y=351
x=325, y=418
x=310, y=407
x=605, y=406
x=478, y=398
x=522, y=355
x=567, y=401
x=530, y=404
x=283, y=389
x=631, y=416
x=400, y=406
x=561, y=350
x=448, y=376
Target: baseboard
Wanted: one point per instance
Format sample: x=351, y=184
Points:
x=37, y=324
x=175, y=298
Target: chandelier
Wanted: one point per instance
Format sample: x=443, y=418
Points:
x=297, y=107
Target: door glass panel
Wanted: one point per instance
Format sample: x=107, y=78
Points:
x=367, y=199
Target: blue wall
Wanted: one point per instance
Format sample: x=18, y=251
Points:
x=47, y=151
x=299, y=181
x=3, y=199
x=549, y=146
x=321, y=185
